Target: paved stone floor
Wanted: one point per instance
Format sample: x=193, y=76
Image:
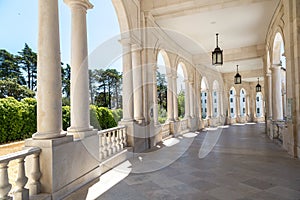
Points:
x=243, y=164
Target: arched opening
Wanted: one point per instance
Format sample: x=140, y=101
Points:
x=279, y=77
x=162, y=85
x=243, y=102
x=181, y=90
x=258, y=104
x=204, y=98
x=232, y=102
x=215, y=96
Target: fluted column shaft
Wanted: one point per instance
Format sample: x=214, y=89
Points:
x=155, y=104
x=192, y=110
x=80, y=113
x=175, y=99
x=269, y=81
x=276, y=93
x=127, y=82
x=170, y=105
x=49, y=111
x=187, y=100
x=137, y=83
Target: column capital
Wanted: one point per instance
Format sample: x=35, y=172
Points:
x=269, y=74
x=83, y=3
x=136, y=47
x=276, y=66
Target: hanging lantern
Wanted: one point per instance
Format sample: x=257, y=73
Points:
x=237, y=77
x=258, y=87
x=217, y=54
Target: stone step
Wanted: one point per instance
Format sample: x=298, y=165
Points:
x=41, y=196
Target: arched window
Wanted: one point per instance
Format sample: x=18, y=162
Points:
x=232, y=102
x=242, y=103
x=258, y=104
x=181, y=90
x=162, y=86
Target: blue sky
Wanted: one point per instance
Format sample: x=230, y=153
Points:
x=19, y=25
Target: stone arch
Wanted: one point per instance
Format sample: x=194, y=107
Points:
x=278, y=44
x=122, y=16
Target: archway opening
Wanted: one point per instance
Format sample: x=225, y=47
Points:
x=216, y=100
x=162, y=85
x=181, y=91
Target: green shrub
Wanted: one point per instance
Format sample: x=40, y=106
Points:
x=118, y=114
x=105, y=118
x=66, y=117
x=11, y=120
x=94, y=117
x=29, y=117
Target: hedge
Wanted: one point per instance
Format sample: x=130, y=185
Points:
x=18, y=118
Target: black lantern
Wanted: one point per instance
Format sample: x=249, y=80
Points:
x=258, y=87
x=217, y=54
x=237, y=77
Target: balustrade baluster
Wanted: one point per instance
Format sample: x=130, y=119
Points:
x=5, y=186
x=21, y=193
x=109, y=143
x=101, y=146
x=35, y=185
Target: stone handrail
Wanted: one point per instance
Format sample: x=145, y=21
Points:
x=21, y=193
x=112, y=141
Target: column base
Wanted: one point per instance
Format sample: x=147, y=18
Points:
x=46, y=136
x=79, y=135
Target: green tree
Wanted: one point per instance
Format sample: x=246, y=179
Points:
x=180, y=98
x=11, y=88
x=161, y=90
x=27, y=60
x=66, y=80
x=9, y=68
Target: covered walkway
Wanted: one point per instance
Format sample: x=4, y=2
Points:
x=244, y=164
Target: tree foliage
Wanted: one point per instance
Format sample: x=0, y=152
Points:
x=10, y=88
x=105, y=87
x=27, y=60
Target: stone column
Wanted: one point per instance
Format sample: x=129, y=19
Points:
x=80, y=112
x=155, y=104
x=276, y=92
x=127, y=82
x=228, y=108
x=247, y=107
x=237, y=104
x=137, y=83
x=187, y=100
x=269, y=95
x=191, y=88
x=170, y=98
x=209, y=104
x=49, y=113
x=175, y=98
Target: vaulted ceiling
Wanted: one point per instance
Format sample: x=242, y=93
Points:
x=242, y=26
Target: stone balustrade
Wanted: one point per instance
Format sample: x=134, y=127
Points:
x=112, y=141
x=184, y=124
x=20, y=192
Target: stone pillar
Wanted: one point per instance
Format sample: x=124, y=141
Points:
x=80, y=112
x=187, y=100
x=49, y=113
x=269, y=95
x=276, y=92
x=237, y=104
x=127, y=82
x=192, y=102
x=247, y=107
x=209, y=104
x=170, y=98
x=137, y=83
x=175, y=98
x=155, y=104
